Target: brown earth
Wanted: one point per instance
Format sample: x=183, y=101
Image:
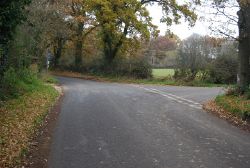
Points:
x=39, y=149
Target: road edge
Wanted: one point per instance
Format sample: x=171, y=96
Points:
x=39, y=146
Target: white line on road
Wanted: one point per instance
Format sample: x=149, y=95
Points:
x=176, y=98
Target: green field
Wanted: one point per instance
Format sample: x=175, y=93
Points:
x=161, y=73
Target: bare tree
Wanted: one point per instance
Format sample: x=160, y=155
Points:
x=224, y=8
x=195, y=54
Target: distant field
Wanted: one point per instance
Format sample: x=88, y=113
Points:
x=160, y=73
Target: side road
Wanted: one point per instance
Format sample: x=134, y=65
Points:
x=124, y=125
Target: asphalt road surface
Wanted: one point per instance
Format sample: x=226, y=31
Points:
x=108, y=125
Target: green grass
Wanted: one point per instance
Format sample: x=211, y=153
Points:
x=47, y=78
x=163, y=73
x=237, y=105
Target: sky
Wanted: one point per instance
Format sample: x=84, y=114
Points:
x=183, y=30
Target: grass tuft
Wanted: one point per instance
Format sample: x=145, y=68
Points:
x=237, y=105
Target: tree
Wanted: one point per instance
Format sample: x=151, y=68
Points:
x=58, y=28
x=243, y=23
x=121, y=22
x=223, y=69
x=175, y=10
x=190, y=60
x=163, y=43
x=12, y=13
x=161, y=51
x=195, y=53
x=46, y=30
x=79, y=13
x=244, y=44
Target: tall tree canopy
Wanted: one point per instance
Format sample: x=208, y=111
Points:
x=122, y=21
x=174, y=10
x=11, y=14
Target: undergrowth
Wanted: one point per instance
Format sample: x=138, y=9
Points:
x=237, y=105
x=25, y=102
x=16, y=83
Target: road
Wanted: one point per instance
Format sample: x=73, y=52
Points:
x=109, y=125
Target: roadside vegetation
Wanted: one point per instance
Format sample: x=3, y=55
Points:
x=232, y=107
x=25, y=103
x=238, y=105
x=233, y=102
x=128, y=79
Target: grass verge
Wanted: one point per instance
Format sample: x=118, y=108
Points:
x=234, y=104
x=232, y=109
x=19, y=120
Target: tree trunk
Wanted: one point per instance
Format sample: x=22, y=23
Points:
x=3, y=56
x=244, y=46
x=111, y=49
x=58, y=51
x=108, y=58
x=79, y=46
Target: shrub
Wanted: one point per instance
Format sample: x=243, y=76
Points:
x=224, y=70
x=141, y=69
x=181, y=74
x=185, y=75
x=8, y=85
x=247, y=94
x=233, y=91
x=15, y=83
x=136, y=68
x=45, y=77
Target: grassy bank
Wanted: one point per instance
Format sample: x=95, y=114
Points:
x=20, y=118
x=238, y=106
x=234, y=109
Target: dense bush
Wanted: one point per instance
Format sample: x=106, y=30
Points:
x=141, y=69
x=184, y=74
x=136, y=68
x=15, y=83
x=224, y=70
x=247, y=94
x=236, y=91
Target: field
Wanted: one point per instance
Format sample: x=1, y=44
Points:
x=161, y=73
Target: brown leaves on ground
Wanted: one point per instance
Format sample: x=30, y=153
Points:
x=19, y=120
x=232, y=118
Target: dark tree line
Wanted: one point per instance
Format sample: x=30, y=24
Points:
x=12, y=13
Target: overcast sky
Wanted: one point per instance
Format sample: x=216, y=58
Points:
x=183, y=30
